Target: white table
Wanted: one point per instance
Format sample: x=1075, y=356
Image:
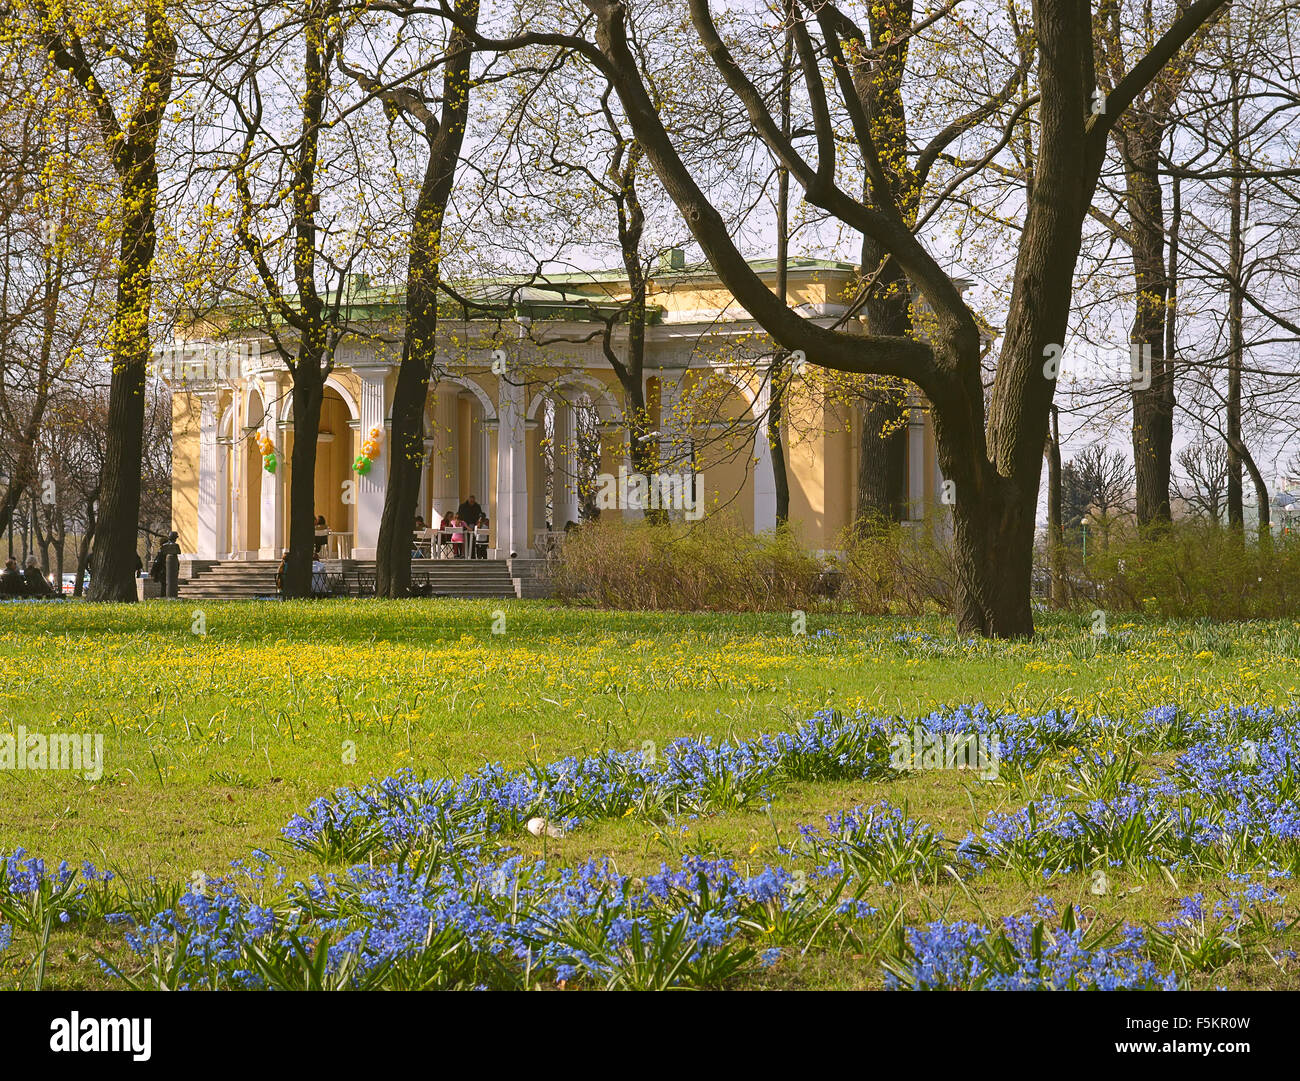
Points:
x=441, y=545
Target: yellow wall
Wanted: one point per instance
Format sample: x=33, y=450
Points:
x=186, y=410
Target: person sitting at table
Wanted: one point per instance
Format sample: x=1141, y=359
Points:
x=322, y=533
x=458, y=537
x=318, y=587
x=481, y=538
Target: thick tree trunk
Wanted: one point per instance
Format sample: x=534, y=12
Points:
x=996, y=468
x=405, y=468
x=445, y=136
x=1153, y=406
x=994, y=545
x=306, y=397
x=315, y=344
x=112, y=578
x=882, y=458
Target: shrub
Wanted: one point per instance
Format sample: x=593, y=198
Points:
x=893, y=568
x=1199, y=569
x=709, y=564
x=712, y=564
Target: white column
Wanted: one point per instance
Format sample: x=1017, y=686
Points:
x=764, y=472
x=370, y=488
x=238, y=495
x=206, y=541
x=916, y=466
x=272, y=542
x=567, y=504
x=510, y=515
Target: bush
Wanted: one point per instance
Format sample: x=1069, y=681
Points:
x=709, y=565
x=896, y=569
x=1199, y=569
x=714, y=565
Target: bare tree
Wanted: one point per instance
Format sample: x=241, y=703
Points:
x=1203, y=486
x=1106, y=478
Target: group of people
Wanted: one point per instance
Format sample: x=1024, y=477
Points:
x=466, y=529
x=28, y=582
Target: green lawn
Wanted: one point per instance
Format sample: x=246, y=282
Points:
x=214, y=740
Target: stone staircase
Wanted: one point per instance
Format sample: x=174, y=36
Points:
x=242, y=579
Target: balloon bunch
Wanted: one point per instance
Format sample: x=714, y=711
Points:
x=369, y=452
x=268, y=452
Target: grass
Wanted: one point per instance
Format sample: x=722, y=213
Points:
x=214, y=740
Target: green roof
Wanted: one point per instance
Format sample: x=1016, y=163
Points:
x=537, y=296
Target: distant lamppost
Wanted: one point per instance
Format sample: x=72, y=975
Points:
x=1085, y=521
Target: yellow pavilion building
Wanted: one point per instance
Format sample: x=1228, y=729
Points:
x=524, y=411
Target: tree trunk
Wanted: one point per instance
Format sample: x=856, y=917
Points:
x=315, y=342
x=132, y=147
x=882, y=459
x=445, y=137
x=306, y=396
x=994, y=544
x=777, y=376
x=1153, y=406
x=406, y=459
x=112, y=578
x=996, y=467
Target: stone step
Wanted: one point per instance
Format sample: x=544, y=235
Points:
x=234, y=579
